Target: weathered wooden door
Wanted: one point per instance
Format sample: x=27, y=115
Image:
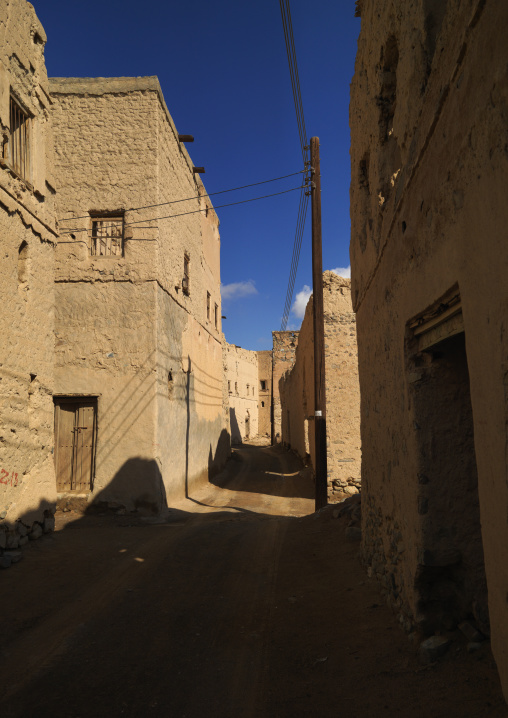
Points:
x=75, y=422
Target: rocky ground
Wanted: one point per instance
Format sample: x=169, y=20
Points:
x=238, y=602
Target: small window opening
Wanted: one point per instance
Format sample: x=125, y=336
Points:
x=208, y=305
x=216, y=316
x=263, y=384
x=170, y=384
x=106, y=239
x=23, y=263
x=186, y=274
x=236, y=387
x=229, y=387
x=19, y=140
x=262, y=403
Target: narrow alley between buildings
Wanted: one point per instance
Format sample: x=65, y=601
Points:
x=239, y=602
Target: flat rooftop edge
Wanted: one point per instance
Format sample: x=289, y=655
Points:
x=102, y=85
x=119, y=85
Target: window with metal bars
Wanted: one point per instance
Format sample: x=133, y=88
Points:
x=186, y=274
x=19, y=144
x=106, y=236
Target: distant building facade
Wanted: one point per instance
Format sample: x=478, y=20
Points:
x=27, y=242
x=242, y=386
x=138, y=381
x=283, y=358
x=296, y=389
x=429, y=256
x=265, y=392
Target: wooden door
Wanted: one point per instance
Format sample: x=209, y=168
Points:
x=75, y=423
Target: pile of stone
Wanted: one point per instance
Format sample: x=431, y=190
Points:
x=348, y=487
x=13, y=538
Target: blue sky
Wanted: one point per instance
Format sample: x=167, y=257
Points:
x=223, y=70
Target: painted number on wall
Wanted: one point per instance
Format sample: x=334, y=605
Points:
x=4, y=478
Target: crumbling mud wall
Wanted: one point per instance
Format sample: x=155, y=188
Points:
x=265, y=392
x=242, y=386
x=138, y=331
x=342, y=390
x=429, y=112
x=27, y=242
x=283, y=358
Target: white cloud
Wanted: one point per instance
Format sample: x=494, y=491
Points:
x=300, y=302
x=343, y=272
x=238, y=289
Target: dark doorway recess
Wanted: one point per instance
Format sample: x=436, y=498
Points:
x=450, y=580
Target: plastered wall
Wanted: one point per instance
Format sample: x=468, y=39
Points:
x=283, y=358
x=242, y=383
x=146, y=342
x=27, y=242
x=265, y=395
x=342, y=390
x=429, y=110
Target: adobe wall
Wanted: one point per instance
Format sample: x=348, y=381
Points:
x=27, y=242
x=283, y=358
x=342, y=390
x=242, y=384
x=189, y=334
x=167, y=352
x=429, y=110
x=265, y=395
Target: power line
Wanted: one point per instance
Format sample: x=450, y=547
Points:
x=198, y=196
x=182, y=214
x=300, y=226
x=289, y=39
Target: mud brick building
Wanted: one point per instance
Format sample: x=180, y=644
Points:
x=242, y=387
x=27, y=243
x=283, y=358
x=265, y=392
x=138, y=378
x=429, y=252
x=342, y=390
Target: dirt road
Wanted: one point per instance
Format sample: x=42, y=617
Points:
x=241, y=603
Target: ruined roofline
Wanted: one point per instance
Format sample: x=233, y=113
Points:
x=97, y=86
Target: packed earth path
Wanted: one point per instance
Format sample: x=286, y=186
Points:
x=240, y=602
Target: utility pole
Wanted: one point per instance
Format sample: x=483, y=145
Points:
x=319, y=331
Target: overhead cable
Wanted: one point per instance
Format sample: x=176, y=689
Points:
x=182, y=214
x=300, y=226
x=196, y=196
x=293, y=71
x=302, y=133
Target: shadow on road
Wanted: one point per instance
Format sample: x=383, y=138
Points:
x=266, y=470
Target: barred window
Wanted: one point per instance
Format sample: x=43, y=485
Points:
x=19, y=141
x=106, y=237
x=186, y=274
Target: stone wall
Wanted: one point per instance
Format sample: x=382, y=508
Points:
x=265, y=392
x=27, y=241
x=242, y=385
x=429, y=112
x=342, y=390
x=283, y=358
x=130, y=331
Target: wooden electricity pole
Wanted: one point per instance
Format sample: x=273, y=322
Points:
x=319, y=331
